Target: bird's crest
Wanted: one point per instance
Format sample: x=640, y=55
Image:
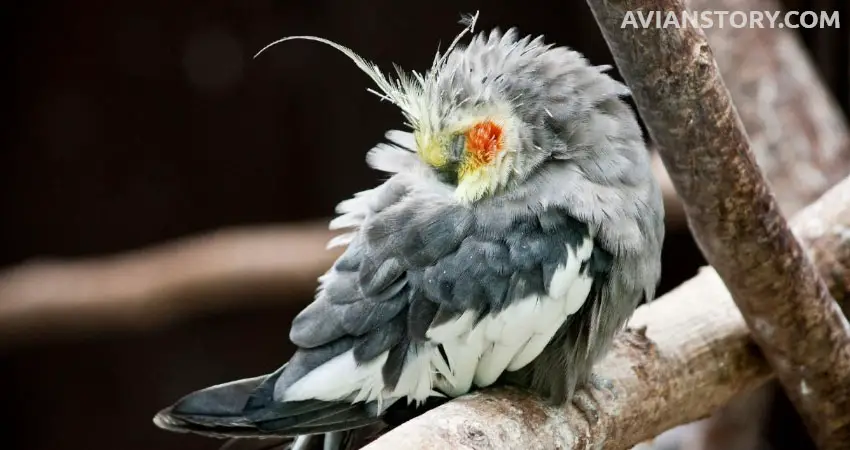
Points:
x=414, y=93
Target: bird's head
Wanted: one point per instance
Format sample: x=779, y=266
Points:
x=472, y=148
x=478, y=113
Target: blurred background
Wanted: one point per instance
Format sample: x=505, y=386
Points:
x=139, y=124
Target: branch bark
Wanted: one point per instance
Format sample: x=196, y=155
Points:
x=732, y=212
x=797, y=132
x=682, y=357
x=800, y=140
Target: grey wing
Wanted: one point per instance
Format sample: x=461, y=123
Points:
x=410, y=270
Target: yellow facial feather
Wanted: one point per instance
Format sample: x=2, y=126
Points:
x=473, y=182
x=431, y=150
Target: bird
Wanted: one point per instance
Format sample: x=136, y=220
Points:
x=518, y=228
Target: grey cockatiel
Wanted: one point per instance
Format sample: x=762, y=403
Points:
x=518, y=231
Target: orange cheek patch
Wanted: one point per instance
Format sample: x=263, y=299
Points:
x=484, y=140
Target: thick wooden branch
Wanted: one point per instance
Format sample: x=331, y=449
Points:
x=683, y=356
x=153, y=286
x=732, y=212
x=797, y=132
x=800, y=139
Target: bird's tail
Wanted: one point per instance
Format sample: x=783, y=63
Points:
x=246, y=409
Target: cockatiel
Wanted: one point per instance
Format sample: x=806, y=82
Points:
x=518, y=231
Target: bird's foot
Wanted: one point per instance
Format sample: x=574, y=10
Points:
x=585, y=401
x=587, y=405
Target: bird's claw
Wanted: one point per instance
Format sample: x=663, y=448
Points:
x=586, y=404
x=585, y=401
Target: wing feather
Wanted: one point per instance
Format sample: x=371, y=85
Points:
x=425, y=271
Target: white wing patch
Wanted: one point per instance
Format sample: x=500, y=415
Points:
x=477, y=353
x=511, y=339
x=338, y=379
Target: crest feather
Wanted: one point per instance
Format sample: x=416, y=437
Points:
x=408, y=91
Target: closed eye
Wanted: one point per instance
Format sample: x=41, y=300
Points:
x=448, y=173
x=457, y=146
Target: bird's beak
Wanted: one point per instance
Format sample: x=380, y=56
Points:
x=437, y=155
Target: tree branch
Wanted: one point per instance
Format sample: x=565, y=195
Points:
x=153, y=286
x=694, y=354
x=796, y=130
x=800, y=140
x=732, y=212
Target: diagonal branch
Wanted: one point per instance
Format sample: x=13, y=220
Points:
x=797, y=131
x=800, y=140
x=683, y=356
x=732, y=212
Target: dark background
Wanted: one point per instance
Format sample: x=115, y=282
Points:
x=131, y=123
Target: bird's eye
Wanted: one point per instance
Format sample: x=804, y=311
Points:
x=448, y=172
x=457, y=145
